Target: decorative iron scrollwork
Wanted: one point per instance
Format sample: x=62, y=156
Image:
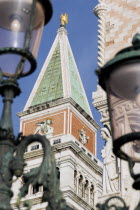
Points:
x=113, y=203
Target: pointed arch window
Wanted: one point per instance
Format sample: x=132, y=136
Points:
x=58, y=172
x=86, y=190
x=81, y=186
x=75, y=180
x=92, y=195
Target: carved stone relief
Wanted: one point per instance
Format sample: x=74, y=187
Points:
x=45, y=128
x=82, y=136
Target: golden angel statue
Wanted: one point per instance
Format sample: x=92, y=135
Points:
x=64, y=19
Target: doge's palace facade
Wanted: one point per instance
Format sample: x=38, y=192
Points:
x=118, y=22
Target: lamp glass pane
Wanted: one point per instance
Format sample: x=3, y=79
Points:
x=14, y=27
x=124, y=106
x=125, y=81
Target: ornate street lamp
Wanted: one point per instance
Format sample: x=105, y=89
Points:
x=120, y=78
x=21, y=26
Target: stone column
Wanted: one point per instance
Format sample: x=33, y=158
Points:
x=77, y=183
x=100, y=11
x=95, y=195
x=89, y=195
x=67, y=175
x=83, y=187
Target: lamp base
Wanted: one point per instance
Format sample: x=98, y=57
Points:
x=9, y=85
x=9, y=89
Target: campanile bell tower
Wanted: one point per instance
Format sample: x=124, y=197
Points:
x=58, y=108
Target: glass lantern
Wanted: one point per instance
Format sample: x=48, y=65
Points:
x=21, y=26
x=120, y=77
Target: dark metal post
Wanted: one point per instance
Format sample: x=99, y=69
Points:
x=8, y=89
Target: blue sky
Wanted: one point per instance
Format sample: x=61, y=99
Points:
x=82, y=33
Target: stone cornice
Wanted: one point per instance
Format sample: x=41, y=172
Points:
x=99, y=104
x=33, y=154
x=33, y=199
x=77, y=199
x=37, y=199
x=55, y=103
x=68, y=145
x=80, y=153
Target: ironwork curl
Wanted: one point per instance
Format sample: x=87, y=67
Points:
x=24, y=54
x=107, y=205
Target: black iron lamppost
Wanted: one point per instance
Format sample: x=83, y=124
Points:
x=21, y=25
x=120, y=78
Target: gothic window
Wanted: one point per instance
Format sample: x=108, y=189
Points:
x=86, y=190
x=75, y=180
x=35, y=189
x=57, y=141
x=80, y=186
x=92, y=195
x=58, y=172
x=34, y=147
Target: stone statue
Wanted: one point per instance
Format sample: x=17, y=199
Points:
x=45, y=128
x=64, y=19
x=82, y=136
x=110, y=177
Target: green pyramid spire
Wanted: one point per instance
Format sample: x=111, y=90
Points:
x=50, y=87
x=59, y=77
x=76, y=87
